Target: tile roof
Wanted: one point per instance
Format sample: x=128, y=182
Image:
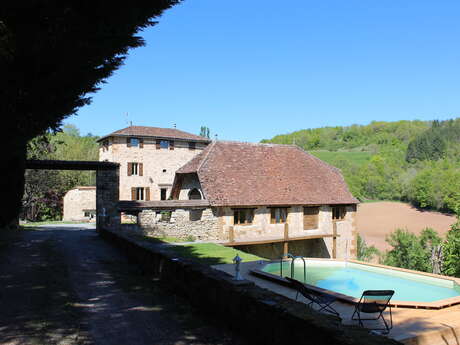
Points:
x=246, y=174
x=143, y=131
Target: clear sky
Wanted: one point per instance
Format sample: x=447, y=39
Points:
x=253, y=69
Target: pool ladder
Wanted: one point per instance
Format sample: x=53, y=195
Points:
x=293, y=258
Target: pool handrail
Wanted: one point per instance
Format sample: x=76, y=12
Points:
x=293, y=258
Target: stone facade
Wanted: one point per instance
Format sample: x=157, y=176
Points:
x=107, y=197
x=193, y=224
x=158, y=164
x=80, y=204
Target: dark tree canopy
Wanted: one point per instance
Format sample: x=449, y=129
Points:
x=52, y=55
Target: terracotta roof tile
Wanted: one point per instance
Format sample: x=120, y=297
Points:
x=143, y=131
x=245, y=174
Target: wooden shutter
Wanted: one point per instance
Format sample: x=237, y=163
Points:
x=130, y=169
x=157, y=144
x=310, y=218
x=141, y=143
x=147, y=193
x=140, y=166
x=128, y=142
x=171, y=145
x=133, y=193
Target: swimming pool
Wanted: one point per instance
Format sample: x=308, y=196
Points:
x=347, y=280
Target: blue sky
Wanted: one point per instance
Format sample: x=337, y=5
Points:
x=253, y=69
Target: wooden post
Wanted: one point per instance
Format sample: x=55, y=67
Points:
x=334, y=240
x=285, y=249
x=231, y=234
x=286, y=231
x=286, y=237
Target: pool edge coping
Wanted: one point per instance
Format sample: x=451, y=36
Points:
x=444, y=303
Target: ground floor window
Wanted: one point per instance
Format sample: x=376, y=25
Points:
x=278, y=215
x=163, y=192
x=243, y=216
x=140, y=193
x=89, y=214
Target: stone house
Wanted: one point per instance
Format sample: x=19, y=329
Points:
x=268, y=199
x=80, y=204
x=149, y=158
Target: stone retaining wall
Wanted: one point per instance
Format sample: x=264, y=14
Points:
x=181, y=223
x=261, y=315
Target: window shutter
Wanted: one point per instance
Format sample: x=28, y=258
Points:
x=171, y=145
x=141, y=143
x=147, y=193
x=273, y=215
x=130, y=169
x=133, y=193
x=310, y=218
x=141, y=169
x=128, y=142
x=157, y=144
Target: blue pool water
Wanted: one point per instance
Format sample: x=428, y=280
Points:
x=352, y=279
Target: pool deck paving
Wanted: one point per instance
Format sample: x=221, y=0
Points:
x=410, y=326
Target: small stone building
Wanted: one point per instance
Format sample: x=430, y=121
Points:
x=149, y=158
x=80, y=204
x=264, y=198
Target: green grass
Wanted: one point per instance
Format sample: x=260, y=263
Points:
x=32, y=224
x=355, y=157
x=212, y=253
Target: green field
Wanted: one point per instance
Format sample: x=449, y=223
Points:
x=355, y=157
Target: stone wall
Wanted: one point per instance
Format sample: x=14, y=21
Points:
x=199, y=224
x=77, y=201
x=262, y=316
x=159, y=165
x=107, y=214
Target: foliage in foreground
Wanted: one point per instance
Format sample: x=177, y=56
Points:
x=451, y=251
x=411, y=251
x=365, y=252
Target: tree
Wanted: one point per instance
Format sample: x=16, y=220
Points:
x=52, y=55
x=451, y=251
x=204, y=132
x=366, y=253
x=410, y=251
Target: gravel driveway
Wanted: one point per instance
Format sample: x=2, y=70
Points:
x=62, y=284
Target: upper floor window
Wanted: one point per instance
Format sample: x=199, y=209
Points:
x=310, y=218
x=191, y=146
x=164, y=144
x=339, y=212
x=243, y=216
x=278, y=215
x=105, y=144
x=135, y=169
x=134, y=142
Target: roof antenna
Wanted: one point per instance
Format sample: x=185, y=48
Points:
x=174, y=125
x=215, y=135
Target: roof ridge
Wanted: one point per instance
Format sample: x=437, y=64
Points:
x=209, y=148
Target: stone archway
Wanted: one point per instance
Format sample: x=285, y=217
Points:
x=194, y=194
x=107, y=185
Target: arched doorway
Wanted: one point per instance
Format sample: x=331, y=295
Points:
x=194, y=194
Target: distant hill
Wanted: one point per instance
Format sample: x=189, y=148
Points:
x=415, y=161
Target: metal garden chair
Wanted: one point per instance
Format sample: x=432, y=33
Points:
x=374, y=302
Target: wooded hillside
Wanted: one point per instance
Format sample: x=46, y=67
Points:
x=415, y=161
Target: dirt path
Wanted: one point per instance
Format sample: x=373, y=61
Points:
x=378, y=219
x=65, y=285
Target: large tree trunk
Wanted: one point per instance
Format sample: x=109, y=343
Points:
x=12, y=181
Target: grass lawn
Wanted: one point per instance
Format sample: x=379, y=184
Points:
x=356, y=157
x=32, y=224
x=212, y=253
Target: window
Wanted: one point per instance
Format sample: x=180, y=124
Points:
x=140, y=193
x=278, y=215
x=105, y=145
x=135, y=169
x=195, y=215
x=243, y=216
x=133, y=142
x=164, y=144
x=194, y=194
x=164, y=170
x=163, y=192
x=310, y=218
x=191, y=146
x=89, y=214
x=338, y=212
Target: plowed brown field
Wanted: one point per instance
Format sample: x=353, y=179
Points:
x=378, y=219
